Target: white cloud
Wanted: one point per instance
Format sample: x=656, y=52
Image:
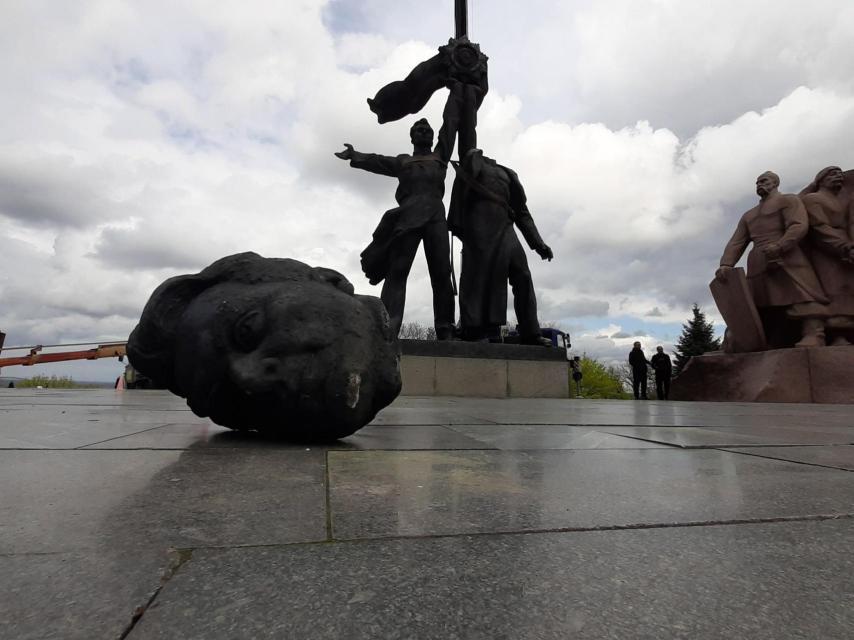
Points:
x=135, y=146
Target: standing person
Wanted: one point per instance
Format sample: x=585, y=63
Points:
x=420, y=215
x=663, y=370
x=639, y=363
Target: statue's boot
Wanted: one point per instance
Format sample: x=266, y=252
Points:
x=539, y=341
x=840, y=341
x=813, y=335
x=446, y=333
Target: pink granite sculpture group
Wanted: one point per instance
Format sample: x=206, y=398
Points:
x=799, y=286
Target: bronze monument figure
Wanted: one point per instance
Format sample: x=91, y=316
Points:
x=486, y=202
x=420, y=215
x=272, y=345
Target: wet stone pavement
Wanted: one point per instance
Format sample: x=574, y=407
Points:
x=124, y=515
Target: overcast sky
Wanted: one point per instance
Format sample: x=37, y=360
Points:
x=140, y=140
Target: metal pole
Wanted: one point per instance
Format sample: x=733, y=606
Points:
x=461, y=18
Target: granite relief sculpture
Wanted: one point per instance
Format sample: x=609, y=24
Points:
x=782, y=283
x=830, y=245
x=271, y=345
x=790, y=321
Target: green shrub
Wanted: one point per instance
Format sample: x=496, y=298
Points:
x=600, y=381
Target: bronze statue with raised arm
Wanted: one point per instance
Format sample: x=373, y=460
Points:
x=420, y=215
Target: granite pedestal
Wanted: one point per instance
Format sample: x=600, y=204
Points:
x=820, y=375
x=474, y=369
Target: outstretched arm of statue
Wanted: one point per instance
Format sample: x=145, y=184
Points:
x=734, y=249
x=473, y=95
x=451, y=118
x=373, y=162
x=524, y=221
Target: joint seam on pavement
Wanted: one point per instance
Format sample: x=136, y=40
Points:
x=722, y=447
x=183, y=557
x=127, y=435
x=594, y=529
x=328, y=496
x=808, y=464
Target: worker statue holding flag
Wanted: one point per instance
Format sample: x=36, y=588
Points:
x=420, y=214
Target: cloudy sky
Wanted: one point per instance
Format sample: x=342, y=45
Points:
x=139, y=140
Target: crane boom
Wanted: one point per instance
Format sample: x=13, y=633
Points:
x=113, y=350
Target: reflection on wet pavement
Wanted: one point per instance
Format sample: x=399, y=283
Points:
x=111, y=499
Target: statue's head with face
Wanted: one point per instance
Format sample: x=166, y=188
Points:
x=270, y=344
x=421, y=135
x=767, y=183
x=830, y=178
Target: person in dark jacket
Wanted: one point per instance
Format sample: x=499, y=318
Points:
x=663, y=370
x=638, y=361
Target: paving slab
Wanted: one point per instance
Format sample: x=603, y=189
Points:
x=410, y=437
x=533, y=437
x=147, y=400
x=208, y=435
x=692, y=437
x=649, y=413
x=86, y=533
x=87, y=500
x=77, y=596
x=60, y=427
x=764, y=582
x=378, y=493
x=840, y=457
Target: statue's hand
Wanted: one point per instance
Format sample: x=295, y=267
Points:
x=772, y=251
x=455, y=85
x=545, y=252
x=348, y=152
x=723, y=272
x=476, y=92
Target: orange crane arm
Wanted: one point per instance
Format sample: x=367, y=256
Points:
x=34, y=357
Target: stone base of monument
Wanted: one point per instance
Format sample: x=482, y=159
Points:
x=473, y=369
x=822, y=375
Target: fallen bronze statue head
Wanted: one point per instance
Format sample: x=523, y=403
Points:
x=270, y=344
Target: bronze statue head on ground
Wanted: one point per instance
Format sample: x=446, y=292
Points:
x=272, y=345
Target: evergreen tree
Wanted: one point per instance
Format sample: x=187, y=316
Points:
x=698, y=337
